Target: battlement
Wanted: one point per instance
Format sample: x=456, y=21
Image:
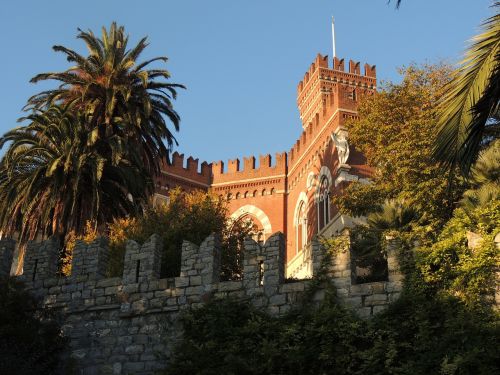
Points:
x=117, y=324
x=192, y=165
x=187, y=175
x=321, y=66
x=263, y=273
x=306, y=138
x=236, y=170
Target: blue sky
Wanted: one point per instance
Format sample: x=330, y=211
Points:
x=241, y=60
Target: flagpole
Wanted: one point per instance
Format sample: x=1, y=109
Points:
x=333, y=37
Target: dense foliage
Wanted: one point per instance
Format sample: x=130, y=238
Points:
x=420, y=334
x=31, y=342
x=53, y=182
x=188, y=216
x=454, y=266
x=396, y=132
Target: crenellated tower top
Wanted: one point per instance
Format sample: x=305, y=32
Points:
x=325, y=90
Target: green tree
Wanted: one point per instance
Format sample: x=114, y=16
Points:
x=118, y=96
x=396, y=131
x=52, y=181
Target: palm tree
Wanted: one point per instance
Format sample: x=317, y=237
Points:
x=393, y=215
x=117, y=95
x=469, y=113
x=53, y=180
x=485, y=179
x=367, y=240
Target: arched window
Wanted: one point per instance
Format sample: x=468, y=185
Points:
x=301, y=227
x=246, y=194
x=272, y=191
x=238, y=195
x=263, y=192
x=323, y=203
x=254, y=193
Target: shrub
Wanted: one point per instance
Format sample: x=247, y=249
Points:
x=31, y=342
x=420, y=334
x=188, y=216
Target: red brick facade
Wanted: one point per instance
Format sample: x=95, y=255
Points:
x=287, y=193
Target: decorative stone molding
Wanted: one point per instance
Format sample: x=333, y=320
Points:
x=302, y=198
x=256, y=212
x=311, y=181
x=339, y=138
x=344, y=175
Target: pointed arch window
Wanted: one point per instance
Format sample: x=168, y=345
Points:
x=323, y=203
x=301, y=227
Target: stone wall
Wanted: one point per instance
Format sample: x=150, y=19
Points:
x=118, y=325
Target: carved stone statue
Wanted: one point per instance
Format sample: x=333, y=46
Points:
x=342, y=146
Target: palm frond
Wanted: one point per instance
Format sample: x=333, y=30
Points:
x=472, y=99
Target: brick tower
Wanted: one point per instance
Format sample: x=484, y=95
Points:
x=291, y=192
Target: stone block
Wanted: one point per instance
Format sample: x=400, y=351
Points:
x=112, y=290
x=364, y=312
x=292, y=287
x=395, y=277
x=377, y=309
x=393, y=296
x=133, y=367
x=354, y=302
x=194, y=290
x=162, y=293
x=112, y=281
x=279, y=299
x=394, y=286
x=194, y=280
x=342, y=292
x=273, y=310
x=229, y=286
x=319, y=295
x=375, y=299
x=181, y=282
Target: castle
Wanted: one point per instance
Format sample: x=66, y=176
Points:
x=291, y=194
x=119, y=325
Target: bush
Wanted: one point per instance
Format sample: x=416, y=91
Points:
x=188, y=216
x=232, y=337
x=420, y=334
x=31, y=342
x=454, y=268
